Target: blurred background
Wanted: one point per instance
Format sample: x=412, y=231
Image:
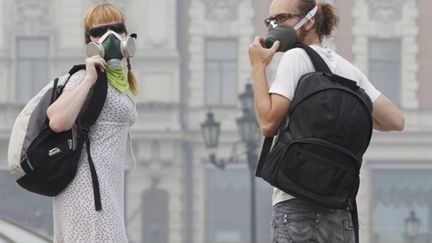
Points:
x=193, y=72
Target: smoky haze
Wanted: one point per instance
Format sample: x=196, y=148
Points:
x=191, y=59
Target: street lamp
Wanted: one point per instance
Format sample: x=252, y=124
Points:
x=412, y=224
x=210, y=130
x=248, y=130
x=246, y=98
x=247, y=124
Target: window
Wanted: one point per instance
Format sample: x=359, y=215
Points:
x=221, y=72
x=401, y=196
x=32, y=66
x=228, y=216
x=385, y=67
x=155, y=215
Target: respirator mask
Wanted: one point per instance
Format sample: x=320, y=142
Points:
x=286, y=35
x=112, y=47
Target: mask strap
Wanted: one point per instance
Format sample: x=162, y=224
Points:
x=308, y=17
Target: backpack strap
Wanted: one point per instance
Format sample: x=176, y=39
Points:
x=317, y=61
x=57, y=90
x=76, y=68
x=268, y=141
x=95, y=180
x=97, y=98
x=95, y=103
x=86, y=119
x=355, y=221
x=54, y=93
x=321, y=66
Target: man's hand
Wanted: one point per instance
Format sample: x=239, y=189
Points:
x=259, y=56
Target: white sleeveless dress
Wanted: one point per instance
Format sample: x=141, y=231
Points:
x=75, y=217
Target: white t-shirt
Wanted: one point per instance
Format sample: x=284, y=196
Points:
x=295, y=63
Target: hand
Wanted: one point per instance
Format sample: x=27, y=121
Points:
x=91, y=64
x=259, y=56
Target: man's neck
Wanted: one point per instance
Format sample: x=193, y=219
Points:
x=312, y=39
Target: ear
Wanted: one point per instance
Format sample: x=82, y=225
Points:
x=310, y=24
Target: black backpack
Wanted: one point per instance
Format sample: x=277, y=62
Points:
x=318, y=153
x=50, y=160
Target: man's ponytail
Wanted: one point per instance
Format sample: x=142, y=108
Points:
x=326, y=19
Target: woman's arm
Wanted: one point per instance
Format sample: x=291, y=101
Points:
x=64, y=111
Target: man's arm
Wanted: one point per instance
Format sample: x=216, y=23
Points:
x=387, y=116
x=271, y=109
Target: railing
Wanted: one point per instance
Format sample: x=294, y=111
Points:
x=13, y=232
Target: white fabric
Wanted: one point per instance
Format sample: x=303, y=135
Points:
x=75, y=217
x=295, y=63
x=308, y=17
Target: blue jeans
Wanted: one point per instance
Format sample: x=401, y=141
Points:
x=298, y=221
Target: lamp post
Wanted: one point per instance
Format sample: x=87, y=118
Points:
x=248, y=131
x=210, y=130
x=412, y=224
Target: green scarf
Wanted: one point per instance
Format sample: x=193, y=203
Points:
x=117, y=78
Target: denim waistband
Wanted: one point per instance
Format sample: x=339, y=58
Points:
x=293, y=209
x=304, y=205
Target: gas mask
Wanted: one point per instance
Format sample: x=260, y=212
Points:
x=286, y=35
x=112, y=47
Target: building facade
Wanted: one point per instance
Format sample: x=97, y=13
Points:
x=387, y=41
x=192, y=58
